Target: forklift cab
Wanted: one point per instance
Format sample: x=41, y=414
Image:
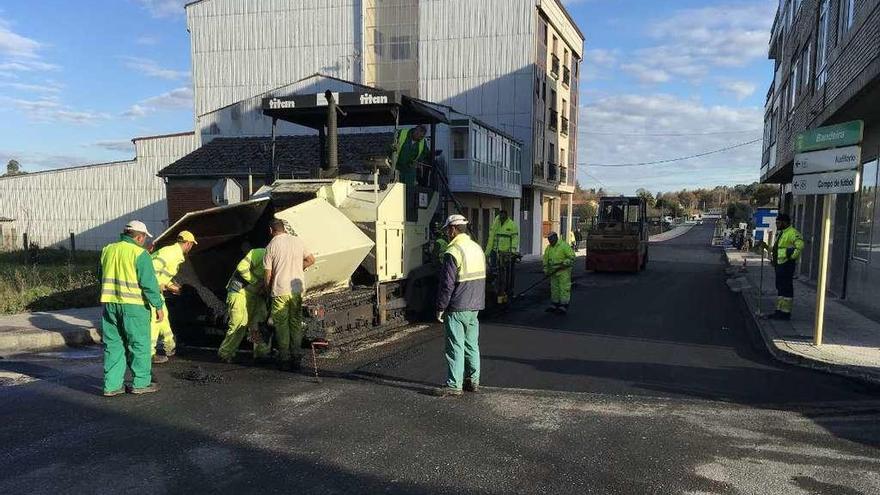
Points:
x=625, y=214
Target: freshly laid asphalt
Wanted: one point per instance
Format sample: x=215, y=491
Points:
x=654, y=383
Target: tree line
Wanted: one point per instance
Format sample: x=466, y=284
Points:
x=684, y=202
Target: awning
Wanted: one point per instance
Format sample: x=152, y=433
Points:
x=362, y=108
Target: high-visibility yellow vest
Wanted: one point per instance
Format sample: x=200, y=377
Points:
x=469, y=258
x=789, y=238
x=503, y=237
x=558, y=256
x=249, y=272
x=119, y=281
x=166, y=263
x=402, y=137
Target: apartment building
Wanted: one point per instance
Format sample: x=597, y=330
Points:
x=827, y=71
x=511, y=65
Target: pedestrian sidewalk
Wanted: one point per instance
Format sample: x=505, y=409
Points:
x=30, y=332
x=672, y=234
x=851, y=344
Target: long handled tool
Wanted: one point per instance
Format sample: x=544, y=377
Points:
x=539, y=282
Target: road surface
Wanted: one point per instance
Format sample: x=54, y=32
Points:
x=654, y=383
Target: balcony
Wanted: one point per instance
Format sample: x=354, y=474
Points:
x=564, y=128
x=566, y=76
x=563, y=175
x=554, y=67
x=538, y=171
x=553, y=121
x=552, y=172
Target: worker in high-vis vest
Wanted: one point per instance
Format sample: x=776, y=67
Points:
x=784, y=257
x=558, y=262
x=461, y=295
x=409, y=148
x=503, y=235
x=166, y=264
x=128, y=290
x=247, y=306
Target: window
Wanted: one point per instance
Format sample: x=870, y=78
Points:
x=459, y=143
x=562, y=156
x=822, y=44
x=378, y=42
x=847, y=16
x=565, y=57
x=544, y=90
x=564, y=109
x=400, y=48
x=555, y=43
x=793, y=83
x=546, y=31
x=806, y=68
x=864, y=218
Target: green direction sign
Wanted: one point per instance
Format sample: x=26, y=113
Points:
x=832, y=136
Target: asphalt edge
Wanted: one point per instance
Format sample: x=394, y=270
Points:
x=14, y=341
x=791, y=358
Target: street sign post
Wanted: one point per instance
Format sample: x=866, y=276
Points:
x=826, y=163
x=833, y=136
x=840, y=182
x=827, y=160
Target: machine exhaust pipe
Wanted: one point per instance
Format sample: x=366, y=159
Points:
x=331, y=166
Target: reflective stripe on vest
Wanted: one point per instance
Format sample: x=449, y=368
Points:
x=119, y=283
x=469, y=258
x=166, y=263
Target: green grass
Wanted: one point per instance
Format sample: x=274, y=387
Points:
x=47, y=280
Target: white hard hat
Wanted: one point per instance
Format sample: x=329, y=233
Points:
x=455, y=220
x=138, y=226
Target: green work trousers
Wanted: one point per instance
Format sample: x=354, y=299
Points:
x=161, y=331
x=246, y=310
x=126, y=336
x=287, y=317
x=462, y=348
x=560, y=287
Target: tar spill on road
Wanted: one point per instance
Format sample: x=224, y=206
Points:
x=198, y=375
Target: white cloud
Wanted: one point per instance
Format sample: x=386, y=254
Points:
x=693, y=42
x=176, y=99
x=20, y=53
x=147, y=40
x=120, y=145
x=165, y=8
x=50, y=109
x=624, y=128
x=35, y=161
x=48, y=87
x=153, y=69
x=646, y=74
x=738, y=89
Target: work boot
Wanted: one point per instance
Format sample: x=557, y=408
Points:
x=471, y=386
x=447, y=392
x=114, y=393
x=552, y=309
x=153, y=387
x=160, y=359
x=563, y=310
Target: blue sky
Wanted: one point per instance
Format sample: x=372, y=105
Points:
x=79, y=79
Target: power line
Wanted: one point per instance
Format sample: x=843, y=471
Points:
x=665, y=134
x=670, y=160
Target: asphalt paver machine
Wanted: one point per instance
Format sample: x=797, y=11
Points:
x=371, y=237
x=618, y=241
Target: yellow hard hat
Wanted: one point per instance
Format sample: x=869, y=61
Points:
x=186, y=236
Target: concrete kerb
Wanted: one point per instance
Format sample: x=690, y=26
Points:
x=750, y=305
x=49, y=331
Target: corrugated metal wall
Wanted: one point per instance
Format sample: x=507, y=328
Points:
x=478, y=58
x=94, y=202
x=241, y=49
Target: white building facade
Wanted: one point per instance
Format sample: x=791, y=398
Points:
x=92, y=202
x=511, y=64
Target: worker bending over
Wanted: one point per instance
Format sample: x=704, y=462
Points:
x=128, y=289
x=558, y=262
x=285, y=260
x=166, y=264
x=246, y=303
x=461, y=295
x=786, y=252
